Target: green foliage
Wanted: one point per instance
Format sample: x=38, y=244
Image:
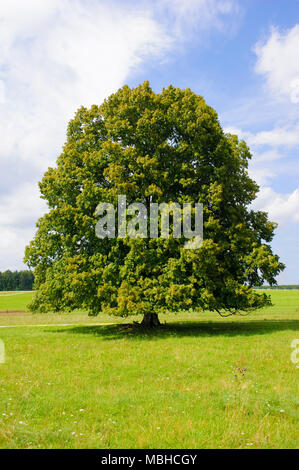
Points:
x=154, y=148
x=16, y=280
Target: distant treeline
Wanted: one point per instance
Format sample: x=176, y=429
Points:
x=16, y=280
x=291, y=286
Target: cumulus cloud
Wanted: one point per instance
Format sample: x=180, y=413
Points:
x=282, y=208
x=268, y=148
x=277, y=60
x=262, y=176
x=268, y=122
x=287, y=136
x=60, y=55
x=19, y=208
x=56, y=55
x=283, y=136
x=18, y=215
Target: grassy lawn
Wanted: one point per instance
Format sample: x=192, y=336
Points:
x=14, y=300
x=111, y=386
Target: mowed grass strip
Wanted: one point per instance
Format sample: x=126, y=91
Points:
x=285, y=302
x=14, y=311
x=15, y=301
x=121, y=387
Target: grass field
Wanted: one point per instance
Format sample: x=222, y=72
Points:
x=15, y=300
x=110, y=386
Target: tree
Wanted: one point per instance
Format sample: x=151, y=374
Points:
x=16, y=280
x=153, y=148
x=26, y=280
x=7, y=280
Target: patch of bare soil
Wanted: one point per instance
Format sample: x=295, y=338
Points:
x=13, y=312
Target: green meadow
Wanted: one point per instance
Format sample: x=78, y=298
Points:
x=200, y=381
x=14, y=301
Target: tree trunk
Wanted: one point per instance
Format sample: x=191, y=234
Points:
x=150, y=320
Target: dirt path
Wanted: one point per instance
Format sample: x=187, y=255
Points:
x=13, y=312
x=58, y=324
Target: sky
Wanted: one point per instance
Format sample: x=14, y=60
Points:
x=242, y=56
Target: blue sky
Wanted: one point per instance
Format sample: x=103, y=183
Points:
x=241, y=56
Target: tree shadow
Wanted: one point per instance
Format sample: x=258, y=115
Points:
x=183, y=329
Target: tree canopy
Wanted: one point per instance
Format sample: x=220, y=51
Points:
x=151, y=147
x=16, y=280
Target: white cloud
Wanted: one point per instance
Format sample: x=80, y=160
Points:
x=19, y=209
x=12, y=243
x=267, y=119
x=59, y=56
x=282, y=208
x=184, y=18
x=267, y=149
x=56, y=55
x=235, y=131
x=283, y=136
x=287, y=136
x=262, y=176
x=2, y=92
x=278, y=62
x=268, y=156
x=18, y=215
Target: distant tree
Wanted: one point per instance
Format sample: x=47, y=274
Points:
x=152, y=148
x=16, y=280
x=8, y=280
x=26, y=280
